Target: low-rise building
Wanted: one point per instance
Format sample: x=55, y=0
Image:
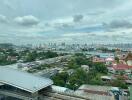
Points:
x=22, y=85
x=61, y=89
x=98, y=59
x=118, y=68
x=95, y=92
x=109, y=60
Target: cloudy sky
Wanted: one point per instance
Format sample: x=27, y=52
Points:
x=71, y=21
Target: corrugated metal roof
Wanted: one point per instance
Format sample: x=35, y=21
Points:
x=95, y=87
x=23, y=80
x=95, y=92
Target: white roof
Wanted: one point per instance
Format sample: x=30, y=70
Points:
x=106, y=77
x=109, y=59
x=115, y=88
x=59, y=89
x=23, y=80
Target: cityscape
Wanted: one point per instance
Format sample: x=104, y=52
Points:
x=76, y=71
x=65, y=50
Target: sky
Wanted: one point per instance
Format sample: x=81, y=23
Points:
x=70, y=21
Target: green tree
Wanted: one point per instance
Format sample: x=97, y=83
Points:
x=119, y=83
x=72, y=64
x=100, y=67
x=50, y=54
x=77, y=79
x=31, y=56
x=117, y=59
x=60, y=79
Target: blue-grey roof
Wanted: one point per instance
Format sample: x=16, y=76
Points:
x=23, y=80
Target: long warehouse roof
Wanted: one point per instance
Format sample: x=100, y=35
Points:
x=23, y=80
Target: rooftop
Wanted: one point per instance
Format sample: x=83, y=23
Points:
x=95, y=92
x=97, y=59
x=121, y=67
x=60, y=89
x=23, y=80
x=109, y=59
x=95, y=88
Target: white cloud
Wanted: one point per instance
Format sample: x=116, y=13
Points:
x=27, y=20
x=75, y=34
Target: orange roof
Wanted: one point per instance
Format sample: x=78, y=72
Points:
x=121, y=67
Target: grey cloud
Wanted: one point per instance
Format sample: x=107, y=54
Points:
x=48, y=10
x=95, y=13
x=63, y=26
x=77, y=18
x=3, y=19
x=47, y=24
x=8, y=4
x=116, y=24
x=27, y=20
x=92, y=34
